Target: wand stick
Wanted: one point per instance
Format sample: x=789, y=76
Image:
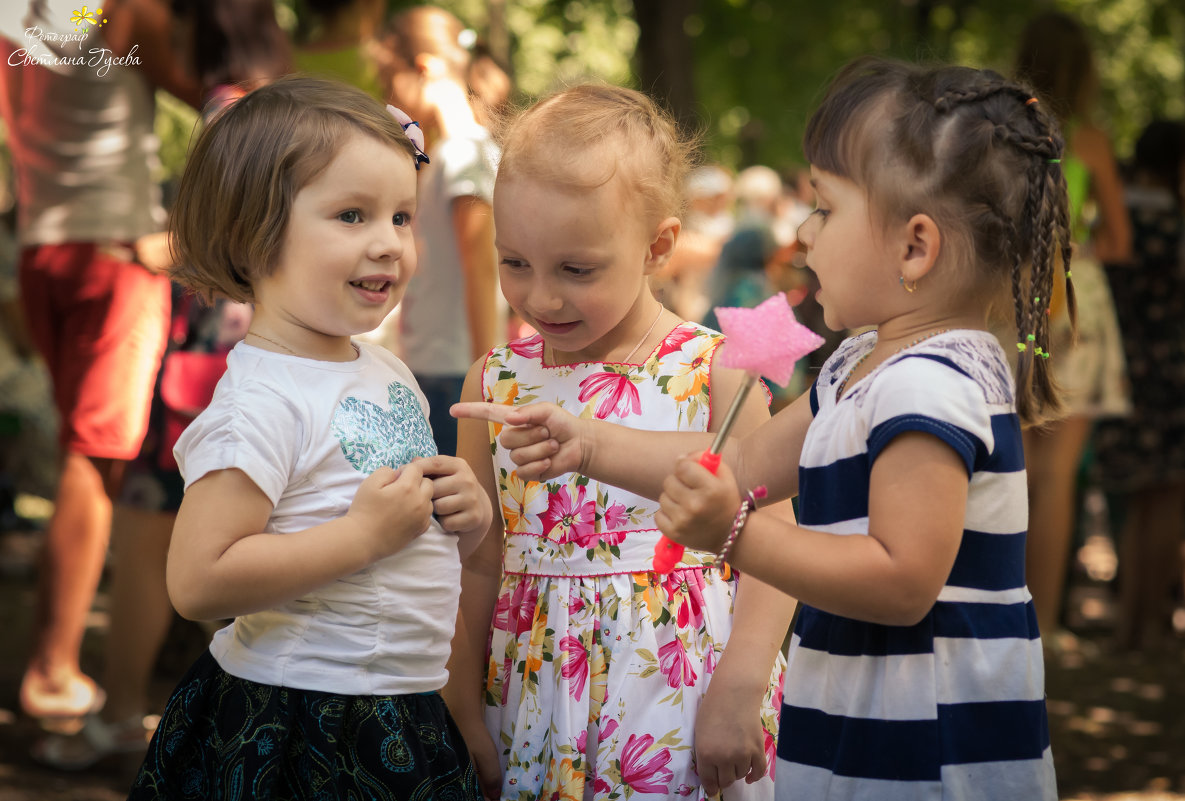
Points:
x=668, y=552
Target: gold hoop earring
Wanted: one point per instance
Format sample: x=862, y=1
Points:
x=910, y=287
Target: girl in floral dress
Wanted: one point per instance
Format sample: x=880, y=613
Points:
x=577, y=671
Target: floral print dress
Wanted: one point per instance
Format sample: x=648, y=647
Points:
x=597, y=665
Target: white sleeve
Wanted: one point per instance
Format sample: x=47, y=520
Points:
x=249, y=428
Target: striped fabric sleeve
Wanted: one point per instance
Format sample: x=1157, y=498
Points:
x=933, y=396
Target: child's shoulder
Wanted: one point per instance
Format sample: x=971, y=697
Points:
x=950, y=359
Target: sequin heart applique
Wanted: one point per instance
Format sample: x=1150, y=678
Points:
x=372, y=436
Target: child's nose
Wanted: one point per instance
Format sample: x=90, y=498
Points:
x=388, y=243
x=543, y=297
x=806, y=231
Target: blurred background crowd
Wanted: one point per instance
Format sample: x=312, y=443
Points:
x=88, y=158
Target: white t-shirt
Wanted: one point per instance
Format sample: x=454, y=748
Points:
x=434, y=326
x=307, y=433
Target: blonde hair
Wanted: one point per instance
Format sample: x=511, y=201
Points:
x=235, y=196
x=583, y=136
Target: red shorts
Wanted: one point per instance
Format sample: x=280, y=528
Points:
x=100, y=321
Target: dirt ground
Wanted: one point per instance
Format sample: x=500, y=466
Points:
x=1117, y=719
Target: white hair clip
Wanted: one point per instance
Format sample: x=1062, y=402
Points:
x=412, y=129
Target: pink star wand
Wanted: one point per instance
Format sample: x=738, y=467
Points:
x=762, y=341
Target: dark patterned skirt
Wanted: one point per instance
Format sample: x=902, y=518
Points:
x=224, y=738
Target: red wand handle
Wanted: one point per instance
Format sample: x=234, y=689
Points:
x=668, y=553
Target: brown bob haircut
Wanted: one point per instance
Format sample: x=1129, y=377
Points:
x=245, y=169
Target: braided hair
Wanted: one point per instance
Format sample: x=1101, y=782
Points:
x=977, y=153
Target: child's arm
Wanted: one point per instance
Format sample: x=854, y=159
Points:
x=545, y=441
x=916, y=507
x=729, y=738
x=481, y=575
x=221, y=563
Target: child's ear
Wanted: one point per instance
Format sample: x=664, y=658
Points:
x=920, y=247
x=666, y=235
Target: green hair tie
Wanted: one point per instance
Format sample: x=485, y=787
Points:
x=1055, y=161
x=1022, y=347
x=1031, y=338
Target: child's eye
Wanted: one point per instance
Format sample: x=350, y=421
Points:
x=822, y=213
x=578, y=272
x=352, y=216
x=401, y=219
x=513, y=264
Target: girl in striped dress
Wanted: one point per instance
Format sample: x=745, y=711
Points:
x=915, y=667
x=579, y=672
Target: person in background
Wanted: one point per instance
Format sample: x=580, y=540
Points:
x=1055, y=57
x=231, y=46
x=452, y=311
x=84, y=150
x=1140, y=459
x=682, y=284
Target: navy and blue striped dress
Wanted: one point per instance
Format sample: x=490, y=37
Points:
x=954, y=706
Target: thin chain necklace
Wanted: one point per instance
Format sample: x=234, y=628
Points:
x=645, y=336
x=843, y=384
x=274, y=342
x=641, y=341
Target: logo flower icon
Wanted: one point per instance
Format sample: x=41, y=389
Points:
x=86, y=18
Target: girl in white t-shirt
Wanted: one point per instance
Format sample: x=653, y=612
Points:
x=317, y=512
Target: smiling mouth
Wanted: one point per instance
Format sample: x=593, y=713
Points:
x=371, y=286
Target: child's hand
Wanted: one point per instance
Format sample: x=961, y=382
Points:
x=458, y=500
x=729, y=740
x=484, y=754
x=696, y=507
x=543, y=440
x=392, y=507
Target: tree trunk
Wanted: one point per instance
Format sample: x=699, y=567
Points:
x=665, y=56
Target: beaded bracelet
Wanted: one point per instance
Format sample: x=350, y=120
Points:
x=738, y=522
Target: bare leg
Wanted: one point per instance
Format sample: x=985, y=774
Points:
x=1052, y=456
x=1148, y=564
x=140, y=609
x=71, y=564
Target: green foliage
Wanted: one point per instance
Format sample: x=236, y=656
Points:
x=175, y=125
x=761, y=65
x=554, y=42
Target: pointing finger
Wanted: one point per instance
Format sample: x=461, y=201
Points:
x=474, y=410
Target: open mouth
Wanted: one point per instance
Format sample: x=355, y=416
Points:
x=555, y=328
x=371, y=286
